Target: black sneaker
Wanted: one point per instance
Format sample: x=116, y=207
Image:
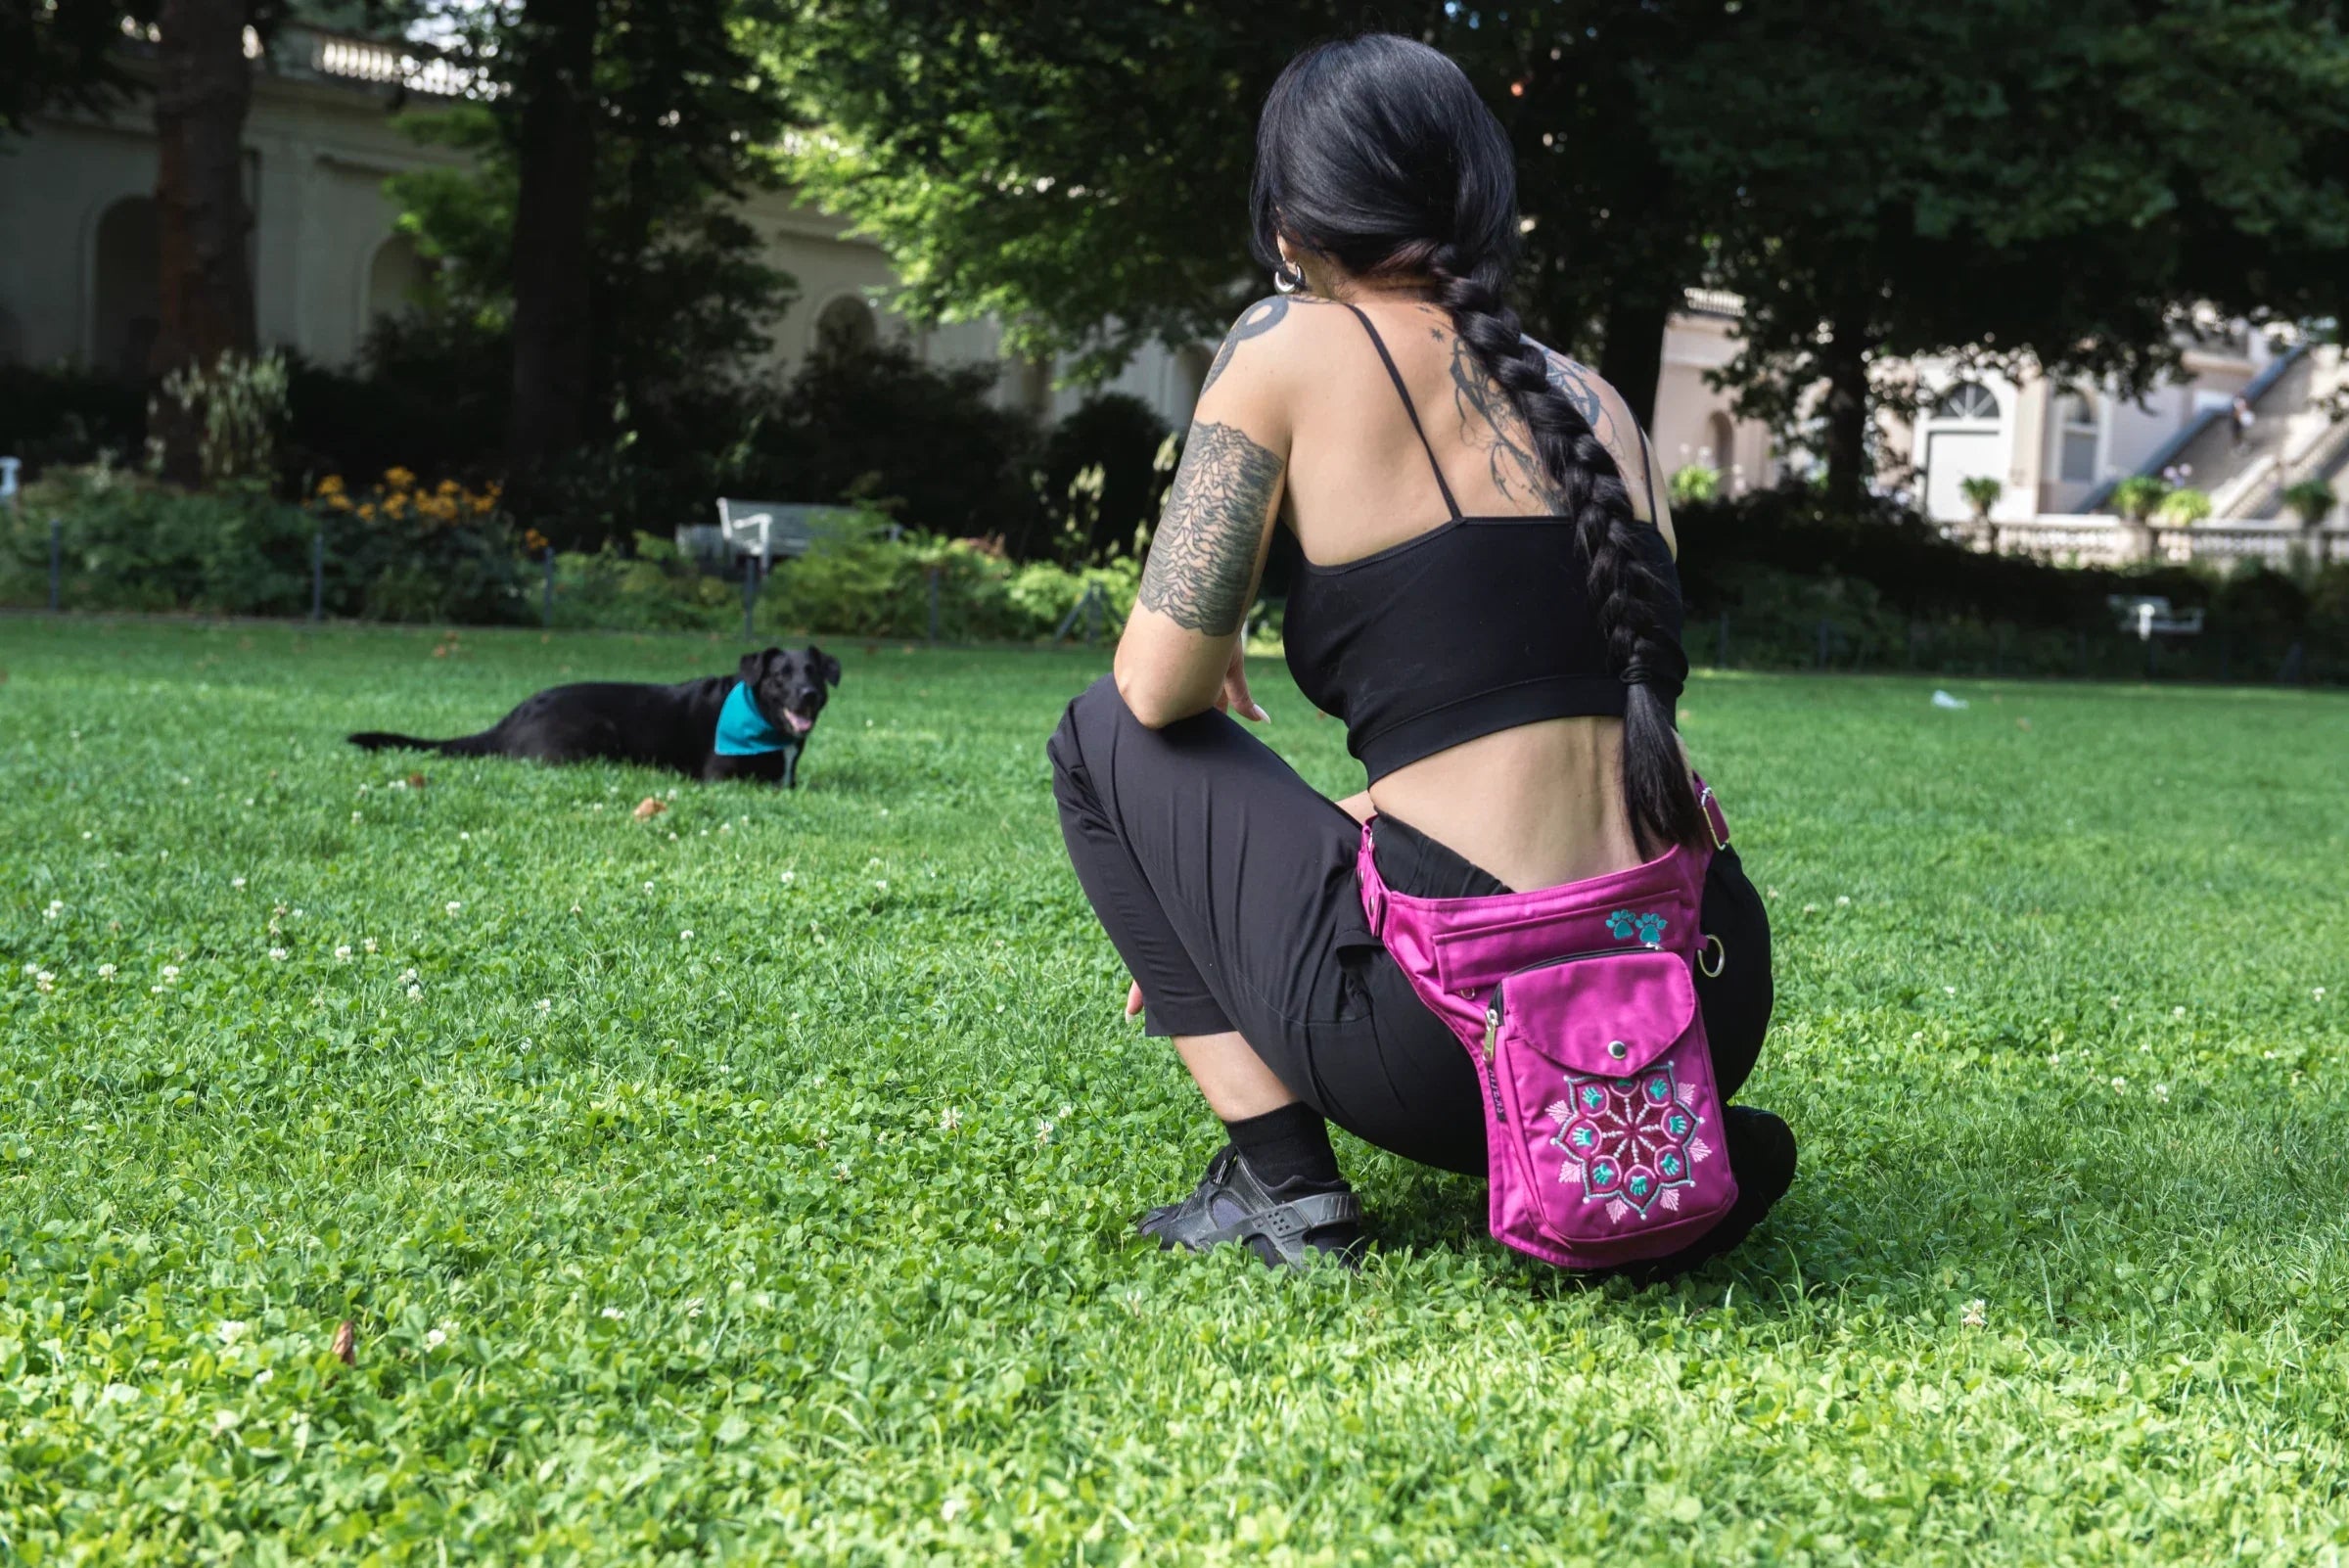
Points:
x=1284, y=1225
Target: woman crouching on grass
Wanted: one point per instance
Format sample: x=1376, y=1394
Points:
x=1494, y=613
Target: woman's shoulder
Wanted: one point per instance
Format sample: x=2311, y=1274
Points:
x=1271, y=332
x=1610, y=419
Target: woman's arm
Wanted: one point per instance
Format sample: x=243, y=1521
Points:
x=1210, y=545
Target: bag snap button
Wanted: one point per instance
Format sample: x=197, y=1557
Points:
x=1618, y=1049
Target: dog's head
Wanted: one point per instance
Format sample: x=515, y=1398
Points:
x=790, y=687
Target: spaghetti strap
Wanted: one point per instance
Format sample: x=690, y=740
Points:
x=1647, y=476
x=1450, y=506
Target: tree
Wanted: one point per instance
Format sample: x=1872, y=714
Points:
x=62, y=54
x=203, y=91
x=596, y=237
x=2057, y=191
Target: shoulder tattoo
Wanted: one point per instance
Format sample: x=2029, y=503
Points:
x=1254, y=321
x=1202, y=557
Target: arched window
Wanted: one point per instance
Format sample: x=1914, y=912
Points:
x=127, y=293
x=1721, y=445
x=395, y=278
x=2076, y=433
x=846, y=325
x=1968, y=399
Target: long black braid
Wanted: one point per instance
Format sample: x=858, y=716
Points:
x=1376, y=151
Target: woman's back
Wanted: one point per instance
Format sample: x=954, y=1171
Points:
x=1430, y=524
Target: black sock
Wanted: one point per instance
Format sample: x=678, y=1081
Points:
x=1286, y=1145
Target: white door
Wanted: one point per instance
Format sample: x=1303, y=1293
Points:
x=1950, y=457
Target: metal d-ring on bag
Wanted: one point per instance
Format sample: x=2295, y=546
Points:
x=1577, y=1006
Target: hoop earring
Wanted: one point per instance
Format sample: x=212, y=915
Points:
x=1288, y=277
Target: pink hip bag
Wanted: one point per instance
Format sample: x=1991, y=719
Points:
x=1577, y=1006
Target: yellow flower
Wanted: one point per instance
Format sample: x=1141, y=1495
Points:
x=332, y=485
x=367, y=509
x=338, y=502
x=395, y=505
x=447, y=487
x=399, y=478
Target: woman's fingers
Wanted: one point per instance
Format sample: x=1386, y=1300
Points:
x=1134, y=1000
x=1235, y=692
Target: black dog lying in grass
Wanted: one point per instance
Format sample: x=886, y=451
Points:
x=753, y=726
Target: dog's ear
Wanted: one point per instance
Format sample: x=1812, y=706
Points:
x=825, y=665
x=754, y=666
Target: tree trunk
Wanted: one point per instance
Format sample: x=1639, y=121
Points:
x=555, y=160
x=1632, y=359
x=206, y=287
x=1845, y=411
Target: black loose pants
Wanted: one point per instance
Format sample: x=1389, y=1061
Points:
x=1227, y=884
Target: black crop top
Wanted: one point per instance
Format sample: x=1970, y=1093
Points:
x=1481, y=624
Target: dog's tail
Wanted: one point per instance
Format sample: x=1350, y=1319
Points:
x=378, y=740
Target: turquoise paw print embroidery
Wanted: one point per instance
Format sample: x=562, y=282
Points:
x=1648, y=927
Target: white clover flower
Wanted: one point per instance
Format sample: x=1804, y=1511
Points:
x=87, y=835
x=170, y=973
x=2318, y=993
x=342, y=953
x=1843, y=900
x=407, y=977
x=2054, y=1058
x=277, y=955
x=546, y=1004
x=952, y=1509
x=236, y=882
x=1064, y=1113
x=882, y=885
x=465, y=836
x=44, y=981
x=2120, y=1086
x=453, y=906
x=685, y=935
x=2161, y=1092
x=1043, y=1131
x=1977, y=1314
x=648, y=887
x=1948, y=991
x=105, y=971
x=57, y=907
x=615, y=1314
x=2177, y=1012
x=840, y=1171
x=154, y=991
x=233, y=1329
x=32, y=969
x=725, y=827
x=693, y=1306
x=224, y=1420
x=355, y=816
x=415, y=993
x=434, y=1338
x=791, y=876
x=298, y=914
x=949, y=1120
x=369, y=945
x=262, y=1377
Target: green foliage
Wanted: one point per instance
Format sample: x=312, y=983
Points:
x=2182, y=507
x=1981, y=492
x=1691, y=482
x=63, y=414
x=860, y=583
x=237, y=410
x=2139, y=495
x=763, y=1193
x=2310, y=500
x=1102, y=478
x=132, y=544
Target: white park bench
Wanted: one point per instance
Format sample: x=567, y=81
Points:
x=2149, y=615
x=766, y=531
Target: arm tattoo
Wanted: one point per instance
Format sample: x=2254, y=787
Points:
x=1202, y=557
x=1254, y=321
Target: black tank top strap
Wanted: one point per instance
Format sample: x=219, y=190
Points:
x=1387, y=359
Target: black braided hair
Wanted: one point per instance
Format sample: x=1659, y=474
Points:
x=1376, y=153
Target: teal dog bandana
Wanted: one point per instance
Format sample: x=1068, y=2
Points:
x=743, y=730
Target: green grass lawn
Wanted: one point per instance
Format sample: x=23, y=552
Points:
x=756, y=1180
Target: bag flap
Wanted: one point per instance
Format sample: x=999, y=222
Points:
x=1608, y=1016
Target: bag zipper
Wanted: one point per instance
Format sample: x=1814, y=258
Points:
x=1492, y=1007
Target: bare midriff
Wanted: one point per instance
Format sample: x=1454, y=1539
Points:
x=1534, y=805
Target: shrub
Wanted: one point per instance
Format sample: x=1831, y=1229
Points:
x=2137, y=497
x=1692, y=483
x=1981, y=492
x=134, y=544
x=1104, y=472
x=2310, y=500
x=68, y=417
x=2183, y=507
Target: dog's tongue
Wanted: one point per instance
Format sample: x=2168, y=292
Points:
x=797, y=724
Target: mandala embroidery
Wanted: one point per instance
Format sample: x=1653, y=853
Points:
x=1629, y=1141
x=1648, y=927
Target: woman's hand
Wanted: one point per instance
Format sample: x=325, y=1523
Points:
x=1234, y=698
x=1134, y=1000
